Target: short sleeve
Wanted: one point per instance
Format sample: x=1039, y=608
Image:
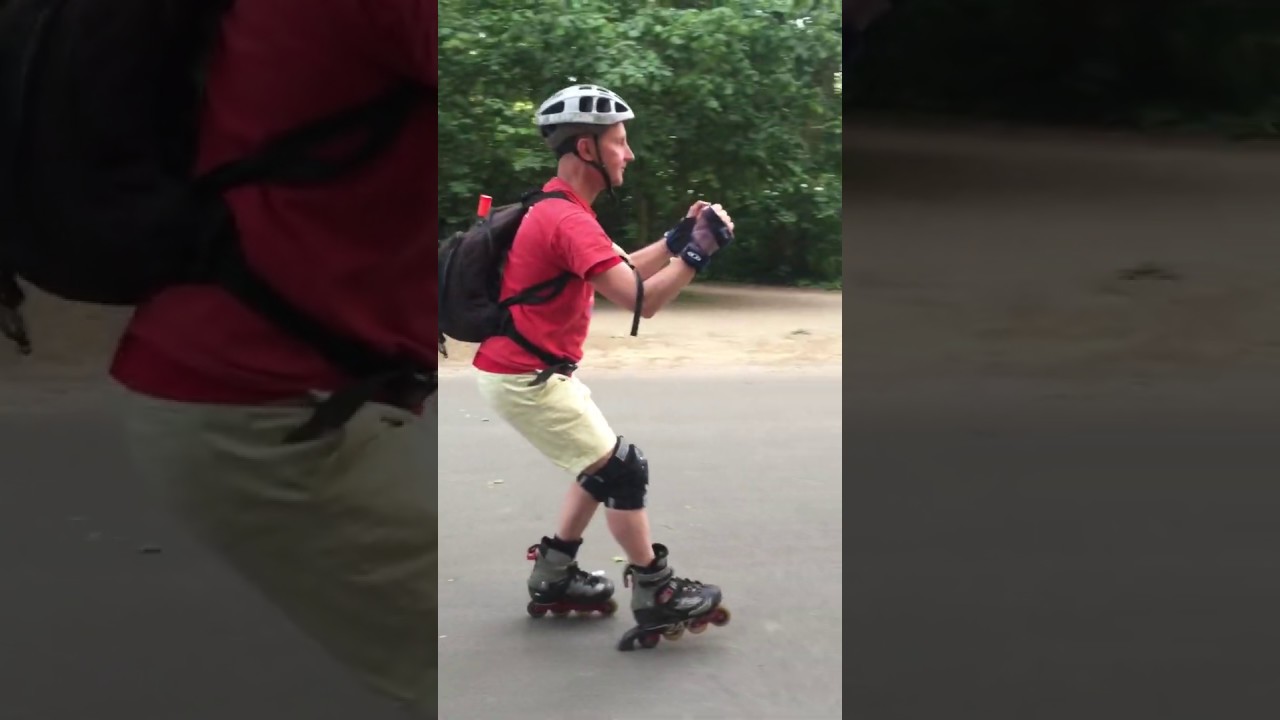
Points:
x=583, y=247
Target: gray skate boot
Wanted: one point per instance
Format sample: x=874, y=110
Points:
x=665, y=605
x=557, y=585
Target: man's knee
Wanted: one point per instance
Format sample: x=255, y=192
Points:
x=622, y=481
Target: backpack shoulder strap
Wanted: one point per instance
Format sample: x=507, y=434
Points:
x=286, y=158
x=534, y=197
x=550, y=288
x=233, y=273
x=541, y=293
x=536, y=295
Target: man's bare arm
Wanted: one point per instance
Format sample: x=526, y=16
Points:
x=651, y=258
x=662, y=279
x=618, y=285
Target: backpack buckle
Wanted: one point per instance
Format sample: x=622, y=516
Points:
x=404, y=389
x=567, y=369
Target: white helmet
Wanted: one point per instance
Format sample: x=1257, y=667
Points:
x=579, y=105
x=584, y=104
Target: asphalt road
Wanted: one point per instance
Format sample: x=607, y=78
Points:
x=1017, y=549
x=745, y=490
x=96, y=627
x=1025, y=550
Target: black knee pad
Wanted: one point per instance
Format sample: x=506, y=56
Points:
x=623, y=482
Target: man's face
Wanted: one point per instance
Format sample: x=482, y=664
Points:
x=615, y=153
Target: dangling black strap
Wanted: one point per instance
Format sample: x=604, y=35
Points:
x=639, y=308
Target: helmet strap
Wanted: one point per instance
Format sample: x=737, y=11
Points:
x=599, y=166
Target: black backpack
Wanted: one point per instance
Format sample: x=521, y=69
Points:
x=99, y=104
x=471, y=267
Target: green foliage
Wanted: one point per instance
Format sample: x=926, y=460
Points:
x=737, y=103
x=1144, y=63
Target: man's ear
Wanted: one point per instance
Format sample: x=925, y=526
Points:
x=588, y=151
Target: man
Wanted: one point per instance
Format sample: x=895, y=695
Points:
x=584, y=126
x=338, y=530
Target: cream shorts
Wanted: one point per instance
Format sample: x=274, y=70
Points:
x=339, y=532
x=558, y=417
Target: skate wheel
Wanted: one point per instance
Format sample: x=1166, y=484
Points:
x=674, y=633
x=535, y=610
x=720, y=617
x=628, y=641
x=698, y=628
x=560, y=612
x=609, y=608
x=648, y=641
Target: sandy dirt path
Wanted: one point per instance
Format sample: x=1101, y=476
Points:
x=1050, y=255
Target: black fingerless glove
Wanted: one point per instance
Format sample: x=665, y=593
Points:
x=709, y=235
x=678, y=236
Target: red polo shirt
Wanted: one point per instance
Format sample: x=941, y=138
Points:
x=358, y=253
x=555, y=236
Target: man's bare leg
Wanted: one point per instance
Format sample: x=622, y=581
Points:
x=631, y=529
x=579, y=507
